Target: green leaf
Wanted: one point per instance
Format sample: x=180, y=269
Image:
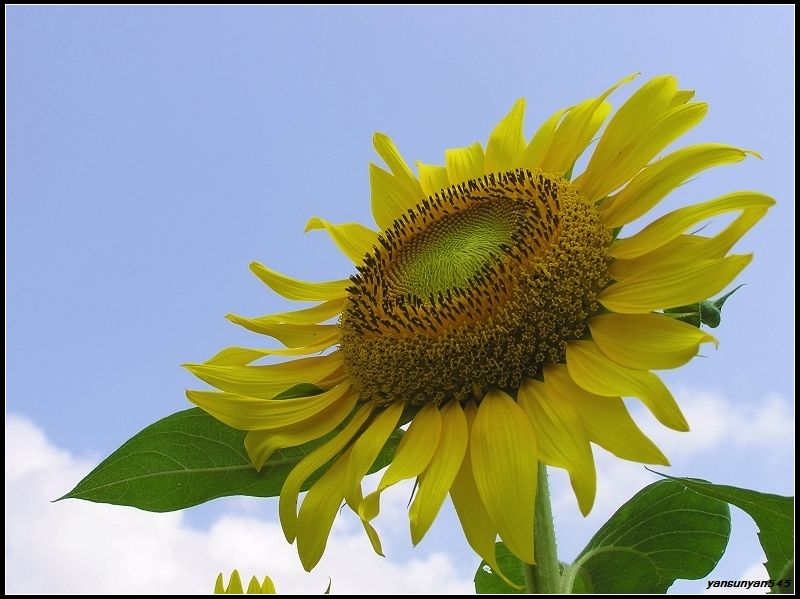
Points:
x=665, y=532
x=189, y=458
x=487, y=582
x=773, y=514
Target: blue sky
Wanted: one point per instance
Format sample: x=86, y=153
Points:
x=153, y=152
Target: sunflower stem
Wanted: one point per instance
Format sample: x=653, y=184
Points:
x=544, y=576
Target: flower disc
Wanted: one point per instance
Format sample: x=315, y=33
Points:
x=479, y=286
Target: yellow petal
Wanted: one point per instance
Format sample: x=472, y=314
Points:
x=267, y=586
x=540, y=143
x=633, y=117
x=389, y=197
x=436, y=480
x=318, y=512
x=653, y=183
x=561, y=439
x=254, y=588
x=267, y=381
x=478, y=528
x=650, y=141
x=647, y=341
x=605, y=420
x=291, y=335
x=593, y=371
x=249, y=414
x=574, y=135
x=688, y=249
x=261, y=444
x=313, y=315
x=670, y=285
x=669, y=226
x=366, y=449
x=294, y=289
x=575, y=132
x=354, y=239
x=681, y=97
x=238, y=356
x=287, y=504
x=413, y=455
x=432, y=177
x=464, y=163
x=234, y=585
x=507, y=142
x=394, y=160
x=505, y=464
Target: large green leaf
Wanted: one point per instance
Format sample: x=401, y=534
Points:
x=487, y=582
x=665, y=532
x=773, y=514
x=189, y=458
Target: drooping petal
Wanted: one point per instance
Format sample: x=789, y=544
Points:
x=605, y=419
x=295, y=289
x=672, y=284
x=287, y=504
x=353, y=239
x=318, y=512
x=647, y=341
x=561, y=439
x=669, y=226
x=596, y=373
x=656, y=181
x=464, y=163
x=507, y=142
x=414, y=453
x=436, y=480
x=475, y=521
x=390, y=199
x=250, y=414
x=505, y=465
x=267, y=381
x=397, y=164
x=261, y=444
x=366, y=449
x=432, y=177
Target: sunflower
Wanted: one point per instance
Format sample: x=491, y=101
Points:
x=265, y=587
x=499, y=313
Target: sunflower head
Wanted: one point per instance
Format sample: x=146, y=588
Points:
x=478, y=286
x=499, y=312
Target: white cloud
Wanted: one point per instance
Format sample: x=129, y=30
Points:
x=73, y=546
x=80, y=547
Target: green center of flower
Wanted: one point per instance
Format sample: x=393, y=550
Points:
x=453, y=250
x=479, y=286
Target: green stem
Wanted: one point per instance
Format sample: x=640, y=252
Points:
x=544, y=576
